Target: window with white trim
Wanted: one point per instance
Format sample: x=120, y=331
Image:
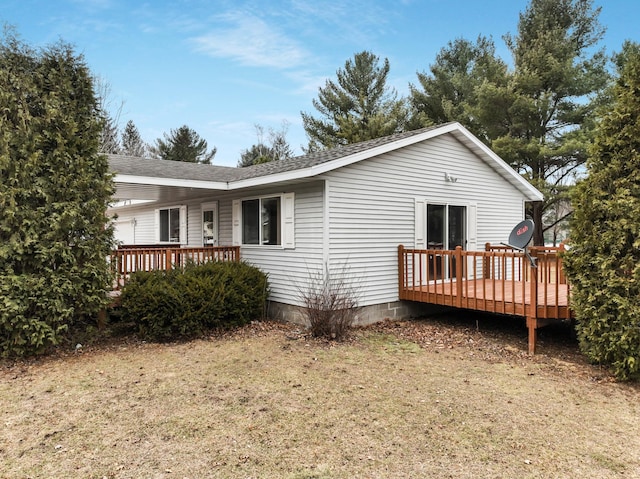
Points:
x=171, y=224
x=264, y=221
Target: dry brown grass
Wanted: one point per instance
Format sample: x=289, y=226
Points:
x=421, y=399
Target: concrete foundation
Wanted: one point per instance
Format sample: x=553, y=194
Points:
x=366, y=315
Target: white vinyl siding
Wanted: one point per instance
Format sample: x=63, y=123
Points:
x=376, y=204
x=289, y=269
x=357, y=215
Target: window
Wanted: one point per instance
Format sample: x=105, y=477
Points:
x=261, y=221
x=171, y=224
x=265, y=221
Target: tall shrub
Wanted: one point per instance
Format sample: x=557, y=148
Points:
x=54, y=235
x=603, y=264
x=330, y=302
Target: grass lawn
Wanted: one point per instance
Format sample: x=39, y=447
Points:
x=433, y=398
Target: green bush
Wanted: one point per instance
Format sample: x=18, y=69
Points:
x=603, y=263
x=186, y=303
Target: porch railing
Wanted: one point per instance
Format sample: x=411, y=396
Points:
x=129, y=259
x=497, y=280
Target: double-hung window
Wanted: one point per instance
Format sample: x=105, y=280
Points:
x=265, y=221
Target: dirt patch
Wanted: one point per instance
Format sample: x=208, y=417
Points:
x=444, y=397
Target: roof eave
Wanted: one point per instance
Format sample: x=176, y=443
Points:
x=175, y=182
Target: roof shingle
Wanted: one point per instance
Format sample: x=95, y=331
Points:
x=145, y=167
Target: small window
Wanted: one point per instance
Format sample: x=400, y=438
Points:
x=261, y=221
x=265, y=221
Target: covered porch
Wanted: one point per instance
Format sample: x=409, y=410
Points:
x=128, y=259
x=497, y=280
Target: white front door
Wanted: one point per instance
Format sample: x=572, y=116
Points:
x=209, y=224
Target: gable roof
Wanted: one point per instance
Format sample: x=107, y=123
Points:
x=143, y=171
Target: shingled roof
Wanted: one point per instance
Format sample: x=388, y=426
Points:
x=145, y=167
x=146, y=172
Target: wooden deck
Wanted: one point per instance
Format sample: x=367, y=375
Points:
x=497, y=280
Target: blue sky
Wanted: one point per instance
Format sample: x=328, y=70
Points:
x=221, y=67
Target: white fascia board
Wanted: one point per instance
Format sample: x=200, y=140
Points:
x=530, y=191
x=341, y=162
x=176, y=182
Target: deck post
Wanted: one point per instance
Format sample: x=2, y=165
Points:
x=532, y=326
x=400, y=271
x=486, y=263
x=459, y=271
x=532, y=314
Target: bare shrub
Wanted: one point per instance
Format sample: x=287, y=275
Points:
x=330, y=302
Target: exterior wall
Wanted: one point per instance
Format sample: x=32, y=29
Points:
x=142, y=217
x=372, y=206
x=288, y=269
x=354, y=218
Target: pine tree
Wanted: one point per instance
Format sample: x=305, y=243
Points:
x=132, y=143
x=543, y=117
x=603, y=263
x=360, y=106
x=110, y=134
x=538, y=115
x=450, y=91
x=109, y=141
x=183, y=144
x=55, y=189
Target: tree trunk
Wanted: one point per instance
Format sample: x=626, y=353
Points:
x=536, y=216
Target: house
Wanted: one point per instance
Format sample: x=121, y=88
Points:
x=342, y=210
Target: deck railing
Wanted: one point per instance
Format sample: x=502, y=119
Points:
x=129, y=259
x=496, y=280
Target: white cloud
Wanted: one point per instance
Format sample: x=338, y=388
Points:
x=251, y=41
x=353, y=21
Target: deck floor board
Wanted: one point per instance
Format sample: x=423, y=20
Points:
x=497, y=296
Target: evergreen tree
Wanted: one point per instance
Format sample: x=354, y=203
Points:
x=538, y=116
x=55, y=189
x=359, y=106
x=450, y=91
x=603, y=263
x=542, y=119
x=109, y=136
x=258, y=153
x=183, y=144
x=132, y=143
x=280, y=148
